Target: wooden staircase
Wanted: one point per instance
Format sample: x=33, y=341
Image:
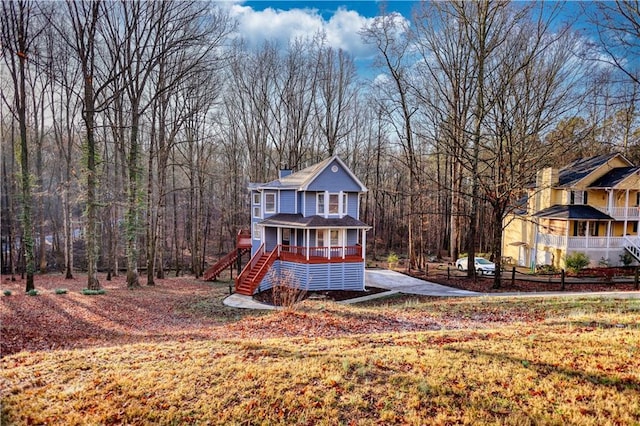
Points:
x=251, y=276
x=243, y=245
x=632, y=248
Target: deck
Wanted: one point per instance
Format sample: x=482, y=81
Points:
x=301, y=254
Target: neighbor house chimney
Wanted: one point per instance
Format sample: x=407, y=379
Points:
x=284, y=171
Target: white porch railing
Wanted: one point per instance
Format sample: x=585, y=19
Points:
x=560, y=241
x=621, y=213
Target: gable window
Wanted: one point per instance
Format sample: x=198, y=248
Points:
x=269, y=202
x=320, y=203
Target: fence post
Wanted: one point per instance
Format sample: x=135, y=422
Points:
x=636, y=279
x=513, y=276
x=562, y=280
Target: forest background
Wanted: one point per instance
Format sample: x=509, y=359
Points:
x=130, y=130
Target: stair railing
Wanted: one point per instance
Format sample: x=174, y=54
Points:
x=632, y=247
x=250, y=265
x=267, y=264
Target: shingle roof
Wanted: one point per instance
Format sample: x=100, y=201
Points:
x=577, y=170
x=300, y=180
x=614, y=176
x=573, y=211
x=298, y=221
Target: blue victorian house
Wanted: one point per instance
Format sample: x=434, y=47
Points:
x=305, y=225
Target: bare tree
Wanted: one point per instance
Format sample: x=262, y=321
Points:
x=18, y=37
x=336, y=99
x=83, y=37
x=388, y=33
x=618, y=29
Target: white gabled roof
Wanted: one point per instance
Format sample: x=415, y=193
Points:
x=302, y=179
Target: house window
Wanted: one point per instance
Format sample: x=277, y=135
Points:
x=635, y=227
x=256, y=198
x=256, y=211
x=269, y=202
x=578, y=197
x=320, y=238
x=335, y=237
x=256, y=232
x=638, y=199
x=344, y=204
x=594, y=228
x=334, y=203
x=580, y=228
x=320, y=204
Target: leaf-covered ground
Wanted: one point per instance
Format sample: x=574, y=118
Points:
x=173, y=354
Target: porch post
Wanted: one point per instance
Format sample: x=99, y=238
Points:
x=308, y=242
x=364, y=244
x=626, y=213
x=610, y=205
x=586, y=237
x=608, y=237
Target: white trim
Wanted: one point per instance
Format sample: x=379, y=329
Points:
x=344, y=202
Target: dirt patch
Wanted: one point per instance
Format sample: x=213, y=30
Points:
x=331, y=295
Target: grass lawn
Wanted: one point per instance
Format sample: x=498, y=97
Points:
x=402, y=360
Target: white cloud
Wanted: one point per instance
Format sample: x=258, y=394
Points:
x=342, y=29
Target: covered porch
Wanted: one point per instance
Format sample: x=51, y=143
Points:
x=315, y=239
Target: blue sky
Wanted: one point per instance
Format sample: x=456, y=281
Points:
x=341, y=21
x=283, y=20
x=366, y=8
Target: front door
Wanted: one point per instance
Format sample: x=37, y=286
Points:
x=286, y=236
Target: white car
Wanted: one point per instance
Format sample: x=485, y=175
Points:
x=482, y=265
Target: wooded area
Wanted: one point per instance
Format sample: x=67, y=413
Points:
x=130, y=130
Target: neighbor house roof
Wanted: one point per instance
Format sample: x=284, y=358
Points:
x=577, y=170
x=614, y=177
x=296, y=220
x=300, y=180
x=572, y=211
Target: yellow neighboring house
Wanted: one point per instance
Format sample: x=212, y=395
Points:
x=590, y=206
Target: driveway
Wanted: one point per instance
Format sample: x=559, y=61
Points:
x=400, y=283
x=392, y=280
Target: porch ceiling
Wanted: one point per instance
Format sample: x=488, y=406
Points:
x=299, y=221
x=574, y=211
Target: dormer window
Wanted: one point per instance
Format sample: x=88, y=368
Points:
x=269, y=202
